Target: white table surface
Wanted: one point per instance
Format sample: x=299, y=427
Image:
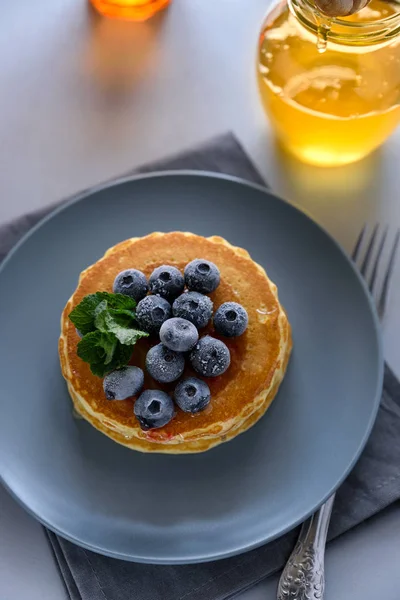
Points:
x=84, y=99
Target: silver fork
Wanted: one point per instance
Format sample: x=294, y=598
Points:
x=303, y=577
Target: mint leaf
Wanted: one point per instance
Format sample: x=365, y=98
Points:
x=120, y=324
x=105, y=316
x=117, y=301
x=97, y=347
x=84, y=314
x=103, y=352
x=123, y=317
x=100, y=308
x=122, y=356
x=125, y=335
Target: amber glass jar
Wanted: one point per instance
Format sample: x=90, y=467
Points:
x=331, y=87
x=133, y=10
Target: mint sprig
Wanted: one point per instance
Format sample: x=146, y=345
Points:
x=107, y=323
x=83, y=315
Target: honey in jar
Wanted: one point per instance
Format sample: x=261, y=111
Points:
x=331, y=87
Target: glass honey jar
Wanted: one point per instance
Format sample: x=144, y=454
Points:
x=331, y=86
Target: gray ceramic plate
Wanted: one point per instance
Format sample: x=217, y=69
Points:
x=181, y=509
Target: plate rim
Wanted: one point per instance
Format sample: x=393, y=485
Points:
x=377, y=395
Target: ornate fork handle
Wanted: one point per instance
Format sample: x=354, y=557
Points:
x=303, y=577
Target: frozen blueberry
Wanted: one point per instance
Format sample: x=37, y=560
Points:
x=194, y=307
x=192, y=395
x=167, y=282
x=202, y=276
x=210, y=357
x=123, y=383
x=179, y=334
x=131, y=282
x=151, y=312
x=231, y=319
x=153, y=409
x=163, y=364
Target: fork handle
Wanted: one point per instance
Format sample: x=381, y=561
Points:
x=303, y=576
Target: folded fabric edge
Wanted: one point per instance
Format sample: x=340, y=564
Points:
x=62, y=564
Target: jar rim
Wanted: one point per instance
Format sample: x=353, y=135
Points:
x=378, y=30
x=357, y=24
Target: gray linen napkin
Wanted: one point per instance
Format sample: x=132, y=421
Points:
x=373, y=484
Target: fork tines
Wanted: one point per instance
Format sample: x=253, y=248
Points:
x=380, y=250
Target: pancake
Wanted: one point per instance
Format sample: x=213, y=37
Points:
x=239, y=397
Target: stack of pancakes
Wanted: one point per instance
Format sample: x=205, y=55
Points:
x=239, y=397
